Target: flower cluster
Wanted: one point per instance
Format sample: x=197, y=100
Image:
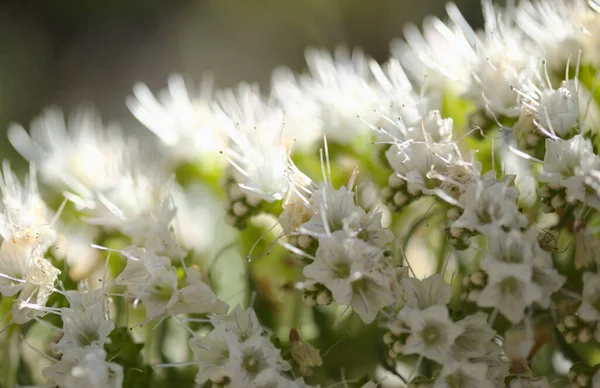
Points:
x=455, y=223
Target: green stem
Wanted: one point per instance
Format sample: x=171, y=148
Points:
x=13, y=356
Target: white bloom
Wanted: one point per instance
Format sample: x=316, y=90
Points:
x=25, y=271
x=338, y=206
x=141, y=264
x=556, y=111
x=431, y=291
x=505, y=59
x=350, y=269
x=489, y=204
x=251, y=357
x=84, y=328
x=509, y=289
x=414, y=160
x=475, y=337
x=80, y=300
x=197, y=297
x=259, y=151
x=344, y=88
x=440, y=56
x=405, y=103
x=82, y=155
x=140, y=206
x=85, y=367
x=183, y=121
x=561, y=27
x=589, y=311
x=569, y=163
x=463, y=374
x=23, y=210
x=243, y=323
x=158, y=293
x=212, y=353
x=432, y=333
x=303, y=124
x=161, y=295
x=335, y=210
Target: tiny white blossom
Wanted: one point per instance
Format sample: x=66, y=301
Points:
x=243, y=323
x=568, y=163
x=259, y=152
x=344, y=88
x=349, y=268
x=184, y=121
x=251, y=357
x=431, y=291
x=463, y=374
x=432, y=333
x=211, y=353
x=509, y=289
x=476, y=335
x=84, y=328
x=81, y=155
x=589, y=311
x=85, y=367
x=489, y=204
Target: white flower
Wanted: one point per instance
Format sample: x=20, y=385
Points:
x=158, y=293
x=84, y=328
x=475, y=337
x=23, y=210
x=197, y=297
x=82, y=155
x=344, y=88
x=212, y=353
x=509, y=289
x=25, y=271
x=303, y=124
x=561, y=27
x=489, y=204
x=463, y=374
x=505, y=59
x=140, y=206
x=497, y=362
x=251, y=357
x=85, y=367
x=161, y=295
x=183, y=121
x=432, y=333
x=421, y=294
x=588, y=311
x=440, y=56
x=270, y=378
x=355, y=272
x=141, y=264
x=568, y=163
x=414, y=160
x=406, y=107
x=243, y=323
x=259, y=151
x=556, y=111
x=338, y=206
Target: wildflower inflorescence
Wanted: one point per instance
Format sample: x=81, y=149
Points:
x=439, y=211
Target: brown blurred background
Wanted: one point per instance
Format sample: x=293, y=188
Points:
x=66, y=52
